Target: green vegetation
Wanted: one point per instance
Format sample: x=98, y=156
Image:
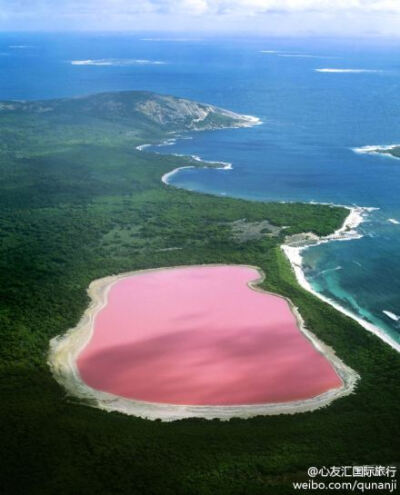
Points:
x=395, y=151
x=78, y=202
x=387, y=150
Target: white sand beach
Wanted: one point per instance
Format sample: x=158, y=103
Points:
x=65, y=349
x=347, y=232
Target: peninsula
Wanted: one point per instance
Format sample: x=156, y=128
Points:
x=79, y=202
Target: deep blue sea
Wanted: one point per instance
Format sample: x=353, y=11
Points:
x=303, y=150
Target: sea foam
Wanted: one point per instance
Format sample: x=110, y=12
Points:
x=377, y=149
x=348, y=231
x=391, y=315
x=329, y=270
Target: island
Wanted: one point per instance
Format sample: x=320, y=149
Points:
x=391, y=150
x=80, y=202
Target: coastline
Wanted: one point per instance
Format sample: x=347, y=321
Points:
x=207, y=163
x=248, y=121
x=382, y=150
x=346, y=233
x=167, y=176
x=251, y=121
x=64, y=351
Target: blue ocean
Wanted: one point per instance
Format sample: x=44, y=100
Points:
x=303, y=151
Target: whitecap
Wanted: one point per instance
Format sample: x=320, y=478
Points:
x=394, y=221
x=142, y=147
x=345, y=233
x=391, y=315
x=166, y=142
x=329, y=270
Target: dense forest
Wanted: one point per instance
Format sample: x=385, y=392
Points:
x=78, y=202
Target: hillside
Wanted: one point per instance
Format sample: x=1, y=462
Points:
x=126, y=115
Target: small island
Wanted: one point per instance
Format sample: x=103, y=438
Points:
x=391, y=150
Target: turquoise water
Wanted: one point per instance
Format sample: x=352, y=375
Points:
x=303, y=150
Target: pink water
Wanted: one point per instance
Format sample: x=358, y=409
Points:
x=200, y=335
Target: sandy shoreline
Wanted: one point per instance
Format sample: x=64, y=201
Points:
x=347, y=232
x=65, y=349
x=166, y=177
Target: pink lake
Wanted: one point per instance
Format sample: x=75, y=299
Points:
x=201, y=336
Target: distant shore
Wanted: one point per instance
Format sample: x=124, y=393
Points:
x=215, y=165
x=389, y=150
